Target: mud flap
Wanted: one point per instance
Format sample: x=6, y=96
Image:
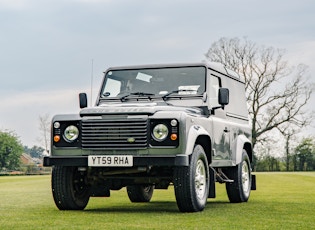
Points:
x=212, y=184
x=253, y=186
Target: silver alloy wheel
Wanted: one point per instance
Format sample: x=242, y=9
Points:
x=245, y=178
x=200, y=179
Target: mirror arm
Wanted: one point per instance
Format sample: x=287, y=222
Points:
x=217, y=107
x=205, y=110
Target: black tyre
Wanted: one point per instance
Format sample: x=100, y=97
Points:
x=69, y=187
x=239, y=190
x=191, y=183
x=140, y=193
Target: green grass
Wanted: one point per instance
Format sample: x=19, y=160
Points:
x=282, y=201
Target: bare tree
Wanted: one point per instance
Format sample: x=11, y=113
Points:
x=44, y=128
x=276, y=92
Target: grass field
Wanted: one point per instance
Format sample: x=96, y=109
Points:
x=282, y=201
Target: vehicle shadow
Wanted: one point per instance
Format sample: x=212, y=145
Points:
x=151, y=207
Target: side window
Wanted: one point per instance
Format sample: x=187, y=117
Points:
x=214, y=90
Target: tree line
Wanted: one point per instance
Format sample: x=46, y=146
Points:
x=11, y=150
x=301, y=159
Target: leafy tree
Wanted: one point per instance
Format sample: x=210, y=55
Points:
x=305, y=155
x=10, y=151
x=268, y=163
x=276, y=92
x=289, y=135
x=35, y=151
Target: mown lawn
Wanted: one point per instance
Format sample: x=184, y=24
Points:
x=282, y=201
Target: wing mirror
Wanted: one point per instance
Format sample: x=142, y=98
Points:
x=223, y=96
x=223, y=99
x=83, y=100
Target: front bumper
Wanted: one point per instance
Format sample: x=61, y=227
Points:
x=177, y=160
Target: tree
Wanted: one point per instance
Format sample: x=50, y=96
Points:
x=10, y=151
x=276, y=92
x=305, y=155
x=35, y=151
x=268, y=163
x=44, y=128
x=288, y=133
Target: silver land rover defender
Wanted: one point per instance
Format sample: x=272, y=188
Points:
x=154, y=126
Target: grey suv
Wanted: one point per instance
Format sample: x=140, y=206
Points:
x=154, y=126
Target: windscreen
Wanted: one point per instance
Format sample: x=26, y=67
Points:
x=155, y=81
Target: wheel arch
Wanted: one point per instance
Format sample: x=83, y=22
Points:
x=249, y=150
x=205, y=142
x=198, y=135
x=242, y=142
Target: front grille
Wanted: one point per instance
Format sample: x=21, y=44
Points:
x=114, y=134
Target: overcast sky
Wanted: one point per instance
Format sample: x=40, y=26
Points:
x=47, y=47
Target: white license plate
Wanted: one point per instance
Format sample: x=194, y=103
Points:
x=110, y=161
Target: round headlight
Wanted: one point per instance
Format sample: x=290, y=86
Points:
x=160, y=132
x=71, y=133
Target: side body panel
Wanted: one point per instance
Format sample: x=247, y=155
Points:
x=231, y=128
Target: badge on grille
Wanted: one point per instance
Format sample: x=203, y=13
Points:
x=131, y=140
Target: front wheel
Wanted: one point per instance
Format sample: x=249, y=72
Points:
x=69, y=187
x=239, y=190
x=191, y=183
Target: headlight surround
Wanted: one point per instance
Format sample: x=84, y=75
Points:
x=164, y=133
x=71, y=133
x=160, y=132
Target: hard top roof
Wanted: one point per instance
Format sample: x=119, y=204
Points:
x=216, y=66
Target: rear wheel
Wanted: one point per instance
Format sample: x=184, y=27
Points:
x=191, y=183
x=239, y=190
x=140, y=193
x=69, y=187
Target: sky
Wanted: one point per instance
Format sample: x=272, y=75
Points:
x=52, y=50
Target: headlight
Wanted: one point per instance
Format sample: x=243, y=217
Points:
x=160, y=132
x=71, y=133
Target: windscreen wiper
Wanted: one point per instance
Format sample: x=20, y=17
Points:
x=123, y=98
x=177, y=91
